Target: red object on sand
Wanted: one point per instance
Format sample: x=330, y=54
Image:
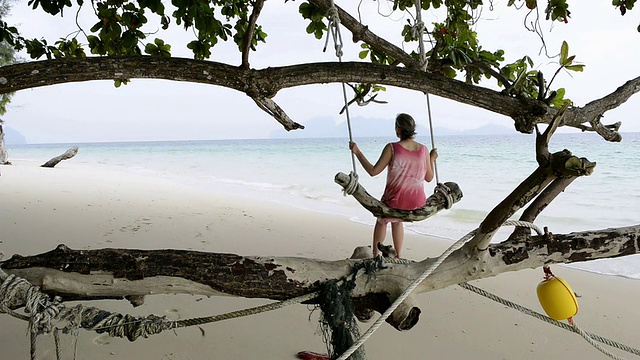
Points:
x=310, y=355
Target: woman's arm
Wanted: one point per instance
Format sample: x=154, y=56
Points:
x=431, y=159
x=381, y=164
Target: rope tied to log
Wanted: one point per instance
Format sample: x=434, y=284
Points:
x=457, y=245
x=445, y=191
x=43, y=310
x=351, y=186
x=44, y=313
x=590, y=338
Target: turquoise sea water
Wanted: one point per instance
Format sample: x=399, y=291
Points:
x=300, y=172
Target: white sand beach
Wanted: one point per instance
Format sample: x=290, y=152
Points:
x=88, y=208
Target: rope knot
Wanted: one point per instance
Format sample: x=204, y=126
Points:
x=333, y=30
x=417, y=29
x=333, y=15
x=351, y=187
x=445, y=191
x=43, y=310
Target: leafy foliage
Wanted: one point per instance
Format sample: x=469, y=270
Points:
x=454, y=51
x=375, y=56
x=158, y=48
x=624, y=5
x=316, y=26
x=7, y=50
x=118, y=30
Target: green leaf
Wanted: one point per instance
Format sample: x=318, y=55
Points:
x=448, y=72
x=311, y=28
x=363, y=54
x=96, y=27
x=579, y=68
x=569, y=60
x=564, y=52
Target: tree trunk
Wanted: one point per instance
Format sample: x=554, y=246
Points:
x=4, y=157
x=67, y=155
x=116, y=273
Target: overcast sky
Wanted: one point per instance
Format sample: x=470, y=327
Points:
x=604, y=41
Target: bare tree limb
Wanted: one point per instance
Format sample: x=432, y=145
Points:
x=251, y=28
x=266, y=82
x=594, y=110
x=542, y=140
x=271, y=107
x=541, y=202
x=551, y=168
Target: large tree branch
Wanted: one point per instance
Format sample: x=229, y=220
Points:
x=551, y=169
x=593, y=111
x=267, y=82
x=108, y=273
x=362, y=33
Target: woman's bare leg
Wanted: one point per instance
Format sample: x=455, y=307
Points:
x=397, y=233
x=379, y=233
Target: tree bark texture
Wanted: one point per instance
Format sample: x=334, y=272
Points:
x=109, y=273
x=265, y=83
x=4, y=157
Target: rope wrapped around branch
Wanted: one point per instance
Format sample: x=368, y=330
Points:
x=444, y=197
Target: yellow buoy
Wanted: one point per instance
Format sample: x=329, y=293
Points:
x=557, y=298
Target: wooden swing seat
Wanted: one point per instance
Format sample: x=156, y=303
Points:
x=435, y=203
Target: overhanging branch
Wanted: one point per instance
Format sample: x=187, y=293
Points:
x=267, y=82
x=592, y=112
x=362, y=33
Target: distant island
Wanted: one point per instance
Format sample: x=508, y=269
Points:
x=325, y=127
x=13, y=137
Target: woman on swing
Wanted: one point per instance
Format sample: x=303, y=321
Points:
x=409, y=165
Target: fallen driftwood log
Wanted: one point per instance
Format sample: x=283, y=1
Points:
x=67, y=155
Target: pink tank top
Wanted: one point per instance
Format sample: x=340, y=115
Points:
x=405, y=178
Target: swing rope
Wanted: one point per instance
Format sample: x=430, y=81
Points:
x=433, y=141
x=418, y=32
x=440, y=187
x=334, y=32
